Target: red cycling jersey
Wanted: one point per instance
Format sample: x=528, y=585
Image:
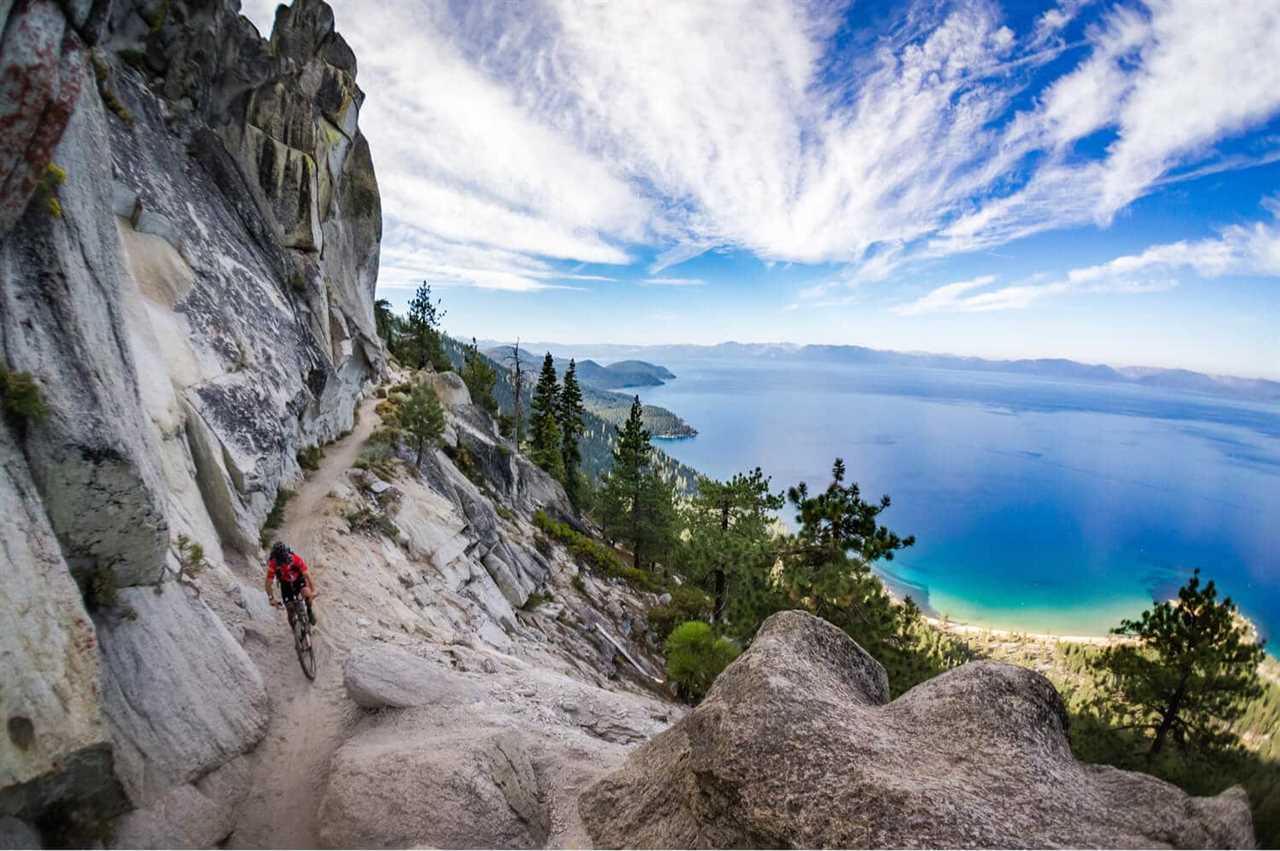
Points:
x=290, y=572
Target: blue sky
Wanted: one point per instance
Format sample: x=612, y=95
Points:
x=1087, y=179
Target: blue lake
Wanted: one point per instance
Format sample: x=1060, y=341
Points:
x=1037, y=504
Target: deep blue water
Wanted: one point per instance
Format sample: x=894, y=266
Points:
x=1037, y=504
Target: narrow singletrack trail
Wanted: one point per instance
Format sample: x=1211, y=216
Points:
x=308, y=719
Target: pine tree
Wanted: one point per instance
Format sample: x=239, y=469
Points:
x=422, y=418
x=636, y=504
x=731, y=550
x=547, y=442
x=384, y=322
x=480, y=378
x=655, y=521
x=571, y=411
x=424, y=346
x=828, y=566
x=1191, y=672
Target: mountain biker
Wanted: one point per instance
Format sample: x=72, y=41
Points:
x=289, y=568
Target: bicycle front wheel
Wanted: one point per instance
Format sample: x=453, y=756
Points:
x=305, y=646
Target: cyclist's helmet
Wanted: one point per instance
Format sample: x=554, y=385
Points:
x=280, y=553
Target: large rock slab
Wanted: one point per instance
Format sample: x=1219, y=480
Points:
x=181, y=696
x=796, y=746
x=48, y=655
x=381, y=676
x=390, y=787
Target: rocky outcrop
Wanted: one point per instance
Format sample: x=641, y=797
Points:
x=189, y=229
x=502, y=778
x=386, y=677
x=797, y=746
x=452, y=789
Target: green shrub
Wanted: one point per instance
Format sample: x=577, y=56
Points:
x=133, y=57
x=695, y=657
x=535, y=600
x=21, y=396
x=377, y=458
x=310, y=457
x=156, y=17
x=275, y=517
x=584, y=549
x=504, y=512
x=465, y=462
x=191, y=560
x=687, y=604
x=366, y=521
x=101, y=593
x=388, y=409
x=643, y=579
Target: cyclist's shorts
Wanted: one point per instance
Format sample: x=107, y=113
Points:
x=289, y=590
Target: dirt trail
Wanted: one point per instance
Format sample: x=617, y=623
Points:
x=307, y=718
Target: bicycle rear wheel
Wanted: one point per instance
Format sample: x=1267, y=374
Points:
x=303, y=643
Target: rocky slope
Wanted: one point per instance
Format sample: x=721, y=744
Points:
x=797, y=745
x=189, y=227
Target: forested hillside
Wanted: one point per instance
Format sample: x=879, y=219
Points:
x=605, y=411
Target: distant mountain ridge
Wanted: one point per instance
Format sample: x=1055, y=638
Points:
x=1231, y=387
x=610, y=405
x=627, y=373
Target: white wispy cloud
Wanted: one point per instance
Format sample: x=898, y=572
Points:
x=512, y=139
x=673, y=282
x=1252, y=249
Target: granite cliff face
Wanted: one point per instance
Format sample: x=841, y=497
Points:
x=189, y=229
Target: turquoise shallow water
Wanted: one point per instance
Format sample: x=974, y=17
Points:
x=1037, y=504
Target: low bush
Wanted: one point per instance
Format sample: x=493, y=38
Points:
x=134, y=58
x=535, y=600
x=191, y=560
x=21, y=396
x=274, y=518
x=598, y=556
x=695, y=657
x=687, y=604
x=388, y=410
x=101, y=593
x=310, y=457
x=377, y=458
x=366, y=521
x=465, y=462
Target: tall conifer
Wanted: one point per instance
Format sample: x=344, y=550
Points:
x=547, y=448
x=571, y=411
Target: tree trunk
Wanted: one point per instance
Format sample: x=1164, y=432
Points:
x=1170, y=715
x=418, y=462
x=721, y=579
x=721, y=585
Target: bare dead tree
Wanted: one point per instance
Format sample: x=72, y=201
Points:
x=519, y=385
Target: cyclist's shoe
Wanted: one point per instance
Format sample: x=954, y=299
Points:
x=311, y=615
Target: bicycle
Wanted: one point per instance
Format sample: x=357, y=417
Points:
x=300, y=624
